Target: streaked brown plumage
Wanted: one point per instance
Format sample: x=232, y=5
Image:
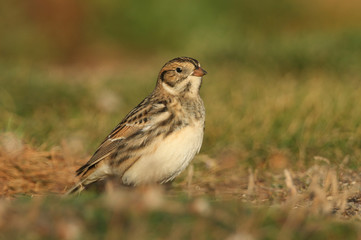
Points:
x=159, y=137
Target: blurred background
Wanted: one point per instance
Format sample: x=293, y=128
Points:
x=283, y=83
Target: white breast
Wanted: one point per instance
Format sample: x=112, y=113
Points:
x=167, y=157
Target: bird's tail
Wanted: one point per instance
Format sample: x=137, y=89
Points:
x=77, y=188
x=94, y=176
x=89, y=182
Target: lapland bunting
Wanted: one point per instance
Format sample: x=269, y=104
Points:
x=156, y=141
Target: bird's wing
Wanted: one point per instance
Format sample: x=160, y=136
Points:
x=134, y=123
x=109, y=146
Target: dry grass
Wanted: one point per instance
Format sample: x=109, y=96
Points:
x=214, y=199
x=23, y=170
x=322, y=189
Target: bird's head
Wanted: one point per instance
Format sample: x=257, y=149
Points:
x=182, y=75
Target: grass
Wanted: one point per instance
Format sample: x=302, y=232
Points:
x=301, y=115
x=307, y=123
x=163, y=223
x=149, y=214
x=280, y=158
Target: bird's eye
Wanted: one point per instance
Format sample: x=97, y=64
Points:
x=179, y=70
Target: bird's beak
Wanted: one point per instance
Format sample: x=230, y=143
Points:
x=199, y=72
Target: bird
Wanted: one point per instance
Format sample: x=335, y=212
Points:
x=156, y=140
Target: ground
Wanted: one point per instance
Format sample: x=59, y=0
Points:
x=215, y=195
